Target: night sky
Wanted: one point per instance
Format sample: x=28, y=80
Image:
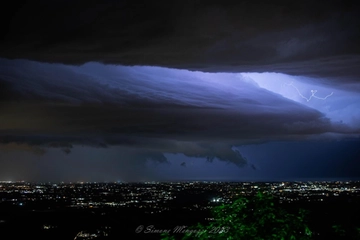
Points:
x=180, y=90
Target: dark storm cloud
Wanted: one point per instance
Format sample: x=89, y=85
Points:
x=150, y=148
x=83, y=164
x=306, y=37
x=152, y=102
x=155, y=110
x=152, y=111
x=66, y=150
x=14, y=146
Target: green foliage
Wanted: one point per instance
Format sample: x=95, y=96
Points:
x=345, y=232
x=256, y=218
x=166, y=236
x=339, y=230
x=358, y=232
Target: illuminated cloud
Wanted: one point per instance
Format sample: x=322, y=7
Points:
x=337, y=101
x=146, y=101
x=155, y=79
x=163, y=110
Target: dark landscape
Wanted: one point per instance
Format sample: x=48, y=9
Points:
x=180, y=119
x=116, y=210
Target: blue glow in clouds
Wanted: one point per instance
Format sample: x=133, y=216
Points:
x=141, y=123
x=339, y=104
x=252, y=93
x=247, y=93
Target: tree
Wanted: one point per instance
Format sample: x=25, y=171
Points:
x=258, y=218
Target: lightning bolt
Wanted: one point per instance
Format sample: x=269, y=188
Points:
x=313, y=92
